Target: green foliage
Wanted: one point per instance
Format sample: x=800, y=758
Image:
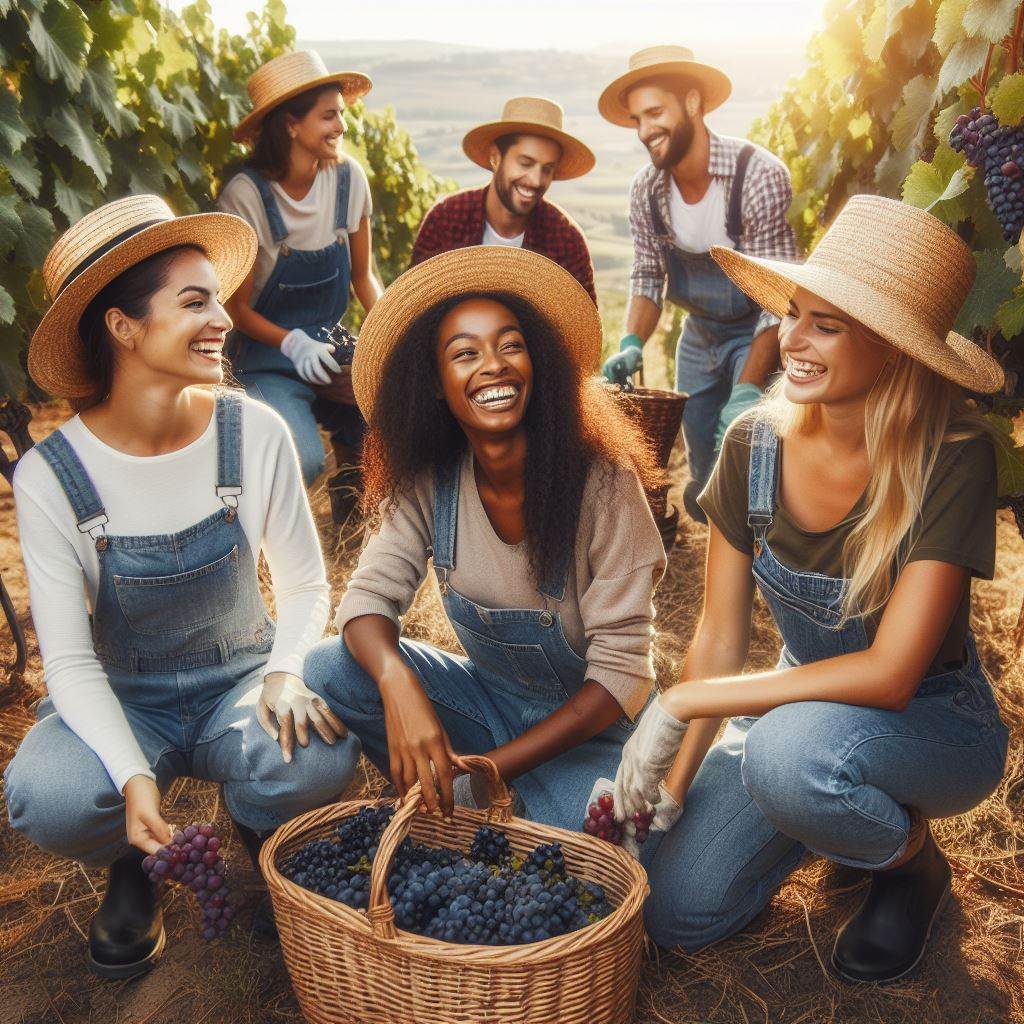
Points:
x=102, y=98
x=885, y=82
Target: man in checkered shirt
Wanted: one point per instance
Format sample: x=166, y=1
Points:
x=700, y=189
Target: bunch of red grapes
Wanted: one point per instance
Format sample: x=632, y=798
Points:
x=192, y=858
x=600, y=822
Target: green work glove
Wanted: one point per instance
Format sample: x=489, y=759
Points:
x=630, y=357
x=742, y=398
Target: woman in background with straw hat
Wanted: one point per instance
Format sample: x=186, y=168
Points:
x=494, y=453
x=141, y=522
x=309, y=205
x=860, y=498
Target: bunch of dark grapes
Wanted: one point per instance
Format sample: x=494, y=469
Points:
x=600, y=821
x=342, y=343
x=192, y=858
x=999, y=150
x=490, y=897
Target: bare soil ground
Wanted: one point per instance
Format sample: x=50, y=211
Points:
x=772, y=972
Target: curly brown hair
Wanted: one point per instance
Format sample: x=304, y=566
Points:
x=573, y=425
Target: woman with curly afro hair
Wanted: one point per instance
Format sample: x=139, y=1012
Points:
x=494, y=453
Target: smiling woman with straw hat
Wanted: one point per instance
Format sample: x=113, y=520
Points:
x=495, y=454
x=141, y=521
x=860, y=498
x=309, y=205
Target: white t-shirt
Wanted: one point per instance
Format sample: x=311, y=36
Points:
x=155, y=495
x=491, y=237
x=309, y=220
x=698, y=226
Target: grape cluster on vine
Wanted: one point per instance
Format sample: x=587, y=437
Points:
x=487, y=897
x=999, y=150
x=192, y=858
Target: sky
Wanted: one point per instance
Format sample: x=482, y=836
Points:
x=543, y=24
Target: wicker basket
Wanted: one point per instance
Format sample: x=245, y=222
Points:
x=353, y=967
x=660, y=415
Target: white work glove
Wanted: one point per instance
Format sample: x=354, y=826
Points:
x=646, y=758
x=312, y=359
x=666, y=811
x=286, y=709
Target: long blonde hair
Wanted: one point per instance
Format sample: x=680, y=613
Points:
x=910, y=412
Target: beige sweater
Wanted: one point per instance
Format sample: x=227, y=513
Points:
x=607, y=612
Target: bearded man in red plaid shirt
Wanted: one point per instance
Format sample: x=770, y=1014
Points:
x=526, y=150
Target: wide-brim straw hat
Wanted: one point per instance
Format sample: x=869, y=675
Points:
x=674, y=61
x=530, y=115
x=893, y=267
x=288, y=75
x=100, y=247
x=549, y=288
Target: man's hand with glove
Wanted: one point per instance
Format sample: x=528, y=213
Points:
x=630, y=358
x=312, y=359
x=646, y=758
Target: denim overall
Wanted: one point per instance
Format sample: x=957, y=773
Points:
x=180, y=627
x=717, y=332
x=831, y=778
x=518, y=670
x=308, y=289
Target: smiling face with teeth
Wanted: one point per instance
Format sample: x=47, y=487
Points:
x=524, y=167
x=318, y=132
x=484, y=370
x=829, y=357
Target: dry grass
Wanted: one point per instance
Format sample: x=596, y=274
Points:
x=974, y=973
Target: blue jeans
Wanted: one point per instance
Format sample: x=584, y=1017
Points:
x=476, y=717
x=60, y=797
x=830, y=778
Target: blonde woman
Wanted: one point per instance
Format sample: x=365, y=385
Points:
x=860, y=498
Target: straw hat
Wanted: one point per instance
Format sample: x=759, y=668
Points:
x=550, y=289
x=286, y=76
x=893, y=267
x=104, y=244
x=530, y=115
x=676, y=61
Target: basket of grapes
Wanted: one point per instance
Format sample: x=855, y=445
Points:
x=389, y=914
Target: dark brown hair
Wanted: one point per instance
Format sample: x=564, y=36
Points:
x=273, y=146
x=573, y=425
x=131, y=292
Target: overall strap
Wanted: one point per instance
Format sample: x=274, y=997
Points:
x=278, y=232
x=90, y=515
x=229, y=449
x=734, y=216
x=446, y=517
x=341, y=195
x=764, y=449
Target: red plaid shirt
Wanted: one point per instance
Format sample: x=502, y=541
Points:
x=457, y=221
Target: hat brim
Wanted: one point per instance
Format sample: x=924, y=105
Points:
x=354, y=84
x=577, y=158
x=772, y=284
x=55, y=356
x=715, y=87
x=549, y=288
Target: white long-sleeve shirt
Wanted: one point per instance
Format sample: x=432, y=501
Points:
x=155, y=495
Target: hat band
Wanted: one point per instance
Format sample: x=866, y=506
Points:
x=104, y=249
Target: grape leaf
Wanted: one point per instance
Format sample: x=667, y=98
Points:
x=13, y=130
x=173, y=115
x=991, y=19
x=876, y=34
x=99, y=93
x=993, y=285
x=1008, y=100
x=929, y=183
x=1013, y=259
x=24, y=172
x=61, y=37
x=949, y=24
x=10, y=225
x=75, y=198
x=6, y=306
x=1009, y=458
x=70, y=127
x=1010, y=316
x=911, y=120
x=35, y=236
x=964, y=60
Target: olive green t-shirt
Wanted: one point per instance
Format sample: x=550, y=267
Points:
x=957, y=524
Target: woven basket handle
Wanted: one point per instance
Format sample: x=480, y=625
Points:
x=380, y=912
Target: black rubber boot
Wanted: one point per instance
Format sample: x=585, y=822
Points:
x=126, y=936
x=886, y=938
x=263, y=923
